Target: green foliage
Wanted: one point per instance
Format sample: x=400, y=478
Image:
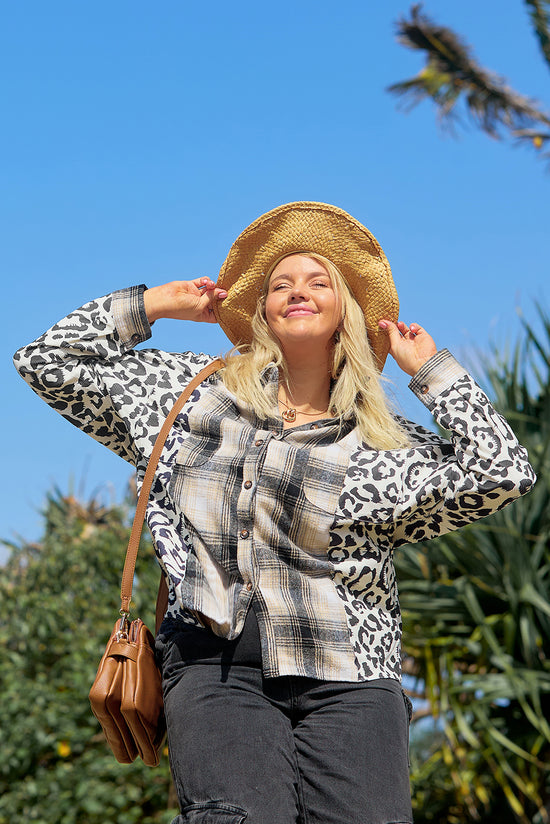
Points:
x=59, y=600
x=477, y=631
x=454, y=81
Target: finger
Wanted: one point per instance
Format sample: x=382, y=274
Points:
x=209, y=315
x=412, y=330
x=391, y=328
x=203, y=283
x=214, y=294
x=206, y=301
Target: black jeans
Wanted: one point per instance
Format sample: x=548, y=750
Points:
x=244, y=748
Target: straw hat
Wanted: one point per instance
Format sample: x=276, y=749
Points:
x=307, y=227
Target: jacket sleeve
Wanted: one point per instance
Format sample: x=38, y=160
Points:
x=482, y=468
x=86, y=368
x=435, y=485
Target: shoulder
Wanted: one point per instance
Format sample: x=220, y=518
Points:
x=418, y=436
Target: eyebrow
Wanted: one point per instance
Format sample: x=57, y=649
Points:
x=320, y=273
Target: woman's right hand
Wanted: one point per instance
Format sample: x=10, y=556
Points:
x=183, y=300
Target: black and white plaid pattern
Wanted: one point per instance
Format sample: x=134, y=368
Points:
x=302, y=523
x=258, y=502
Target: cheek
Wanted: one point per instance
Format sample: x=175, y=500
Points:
x=270, y=311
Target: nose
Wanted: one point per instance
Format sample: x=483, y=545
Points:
x=297, y=292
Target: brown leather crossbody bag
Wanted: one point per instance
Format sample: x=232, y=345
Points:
x=126, y=696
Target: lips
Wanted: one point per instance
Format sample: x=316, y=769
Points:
x=298, y=310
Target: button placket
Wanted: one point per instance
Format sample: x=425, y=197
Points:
x=245, y=509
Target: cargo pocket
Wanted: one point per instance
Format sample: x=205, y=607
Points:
x=211, y=812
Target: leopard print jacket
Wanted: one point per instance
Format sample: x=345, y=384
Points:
x=87, y=368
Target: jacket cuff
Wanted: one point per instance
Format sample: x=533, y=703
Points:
x=129, y=316
x=439, y=373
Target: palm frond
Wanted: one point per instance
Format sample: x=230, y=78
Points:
x=451, y=75
x=539, y=11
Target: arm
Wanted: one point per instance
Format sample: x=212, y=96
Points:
x=85, y=366
x=447, y=484
x=435, y=485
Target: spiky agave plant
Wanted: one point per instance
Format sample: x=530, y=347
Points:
x=476, y=608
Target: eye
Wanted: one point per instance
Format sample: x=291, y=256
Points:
x=279, y=286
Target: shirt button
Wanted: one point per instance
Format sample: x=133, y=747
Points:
x=424, y=388
x=314, y=426
x=247, y=484
x=258, y=442
x=244, y=533
x=249, y=586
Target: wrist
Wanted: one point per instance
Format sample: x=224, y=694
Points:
x=414, y=369
x=153, y=304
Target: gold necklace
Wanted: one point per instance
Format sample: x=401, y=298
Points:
x=290, y=414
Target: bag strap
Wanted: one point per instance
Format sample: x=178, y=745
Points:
x=139, y=517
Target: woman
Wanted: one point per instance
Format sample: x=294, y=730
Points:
x=283, y=489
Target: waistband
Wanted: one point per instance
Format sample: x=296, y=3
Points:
x=201, y=645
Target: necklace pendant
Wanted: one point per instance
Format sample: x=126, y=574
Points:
x=289, y=415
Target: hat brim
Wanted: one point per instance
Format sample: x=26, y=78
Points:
x=300, y=227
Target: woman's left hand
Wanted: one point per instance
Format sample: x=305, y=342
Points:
x=410, y=346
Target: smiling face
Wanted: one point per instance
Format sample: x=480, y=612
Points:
x=301, y=304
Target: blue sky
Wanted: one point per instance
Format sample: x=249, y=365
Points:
x=139, y=139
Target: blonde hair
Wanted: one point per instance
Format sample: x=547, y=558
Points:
x=356, y=381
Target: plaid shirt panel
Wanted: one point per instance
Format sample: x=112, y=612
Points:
x=259, y=501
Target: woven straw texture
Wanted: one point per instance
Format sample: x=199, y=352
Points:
x=307, y=227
